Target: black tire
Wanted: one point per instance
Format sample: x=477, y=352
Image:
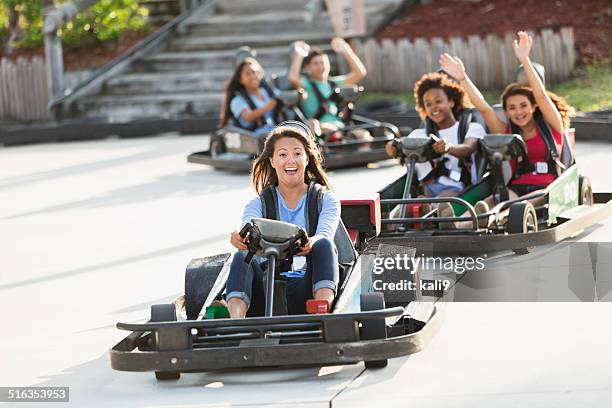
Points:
x=522, y=219
x=200, y=277
x=586, y=191
x=167, y=375
x=217, y=146
x=164, y=313
x=373, y=329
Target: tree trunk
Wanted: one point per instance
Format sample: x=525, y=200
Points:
x=13, y=28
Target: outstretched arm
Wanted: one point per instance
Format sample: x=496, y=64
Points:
x=551, y=115
x=252, y=115
x=358, y=70
x=301, y=50
x=454, y=67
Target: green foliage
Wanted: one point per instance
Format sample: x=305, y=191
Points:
x=591, y=88
x=104, y=21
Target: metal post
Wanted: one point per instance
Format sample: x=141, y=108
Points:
x=270, y=285
x=55, y=65
x=406, y=195
x=53, y=44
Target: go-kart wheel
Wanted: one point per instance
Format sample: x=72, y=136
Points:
x=164, y=313
x=522, y=220
x=373, y=329
x=586, y=191
x=167, y=375
x=217, y=147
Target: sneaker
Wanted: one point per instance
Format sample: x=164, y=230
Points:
x=481, y=207
x=446, y=210
x=317, y=306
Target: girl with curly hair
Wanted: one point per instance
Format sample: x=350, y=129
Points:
x=540, y=117
x=441, y=102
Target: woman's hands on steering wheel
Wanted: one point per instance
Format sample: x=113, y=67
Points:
x=305, y=250
x=237, y=241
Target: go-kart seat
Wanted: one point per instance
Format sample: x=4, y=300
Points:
x=346, y=252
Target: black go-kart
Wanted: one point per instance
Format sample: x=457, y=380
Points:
x=561, y=210
x=234, y=148
x=187, y=335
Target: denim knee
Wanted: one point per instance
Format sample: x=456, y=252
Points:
x=236, y=286
x=325, y=272
x=323, y=245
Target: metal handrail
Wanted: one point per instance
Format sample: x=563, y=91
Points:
x=53, y=47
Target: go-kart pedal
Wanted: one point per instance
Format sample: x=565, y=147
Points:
x=317, y=306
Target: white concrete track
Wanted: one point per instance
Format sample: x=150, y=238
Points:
x=93, y=233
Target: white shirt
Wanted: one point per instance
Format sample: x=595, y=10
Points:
x=475, y=131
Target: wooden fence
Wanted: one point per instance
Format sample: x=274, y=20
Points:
x=490, y=62
x=23, y=90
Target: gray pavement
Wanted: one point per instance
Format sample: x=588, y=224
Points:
x=93, y=233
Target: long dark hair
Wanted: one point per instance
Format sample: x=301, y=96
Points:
x=263, y=174
x=234, y=86
x=518, y=89
x=453, y=91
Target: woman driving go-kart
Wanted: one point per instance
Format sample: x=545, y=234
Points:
x=249, y=100
x=288, y=169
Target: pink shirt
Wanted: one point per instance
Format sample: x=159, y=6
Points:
x=536, y=152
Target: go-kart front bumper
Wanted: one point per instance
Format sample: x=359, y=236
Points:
x=178, y=349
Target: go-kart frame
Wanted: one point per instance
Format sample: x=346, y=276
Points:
x=359, y=328
x=233, y=148
x=562, y=210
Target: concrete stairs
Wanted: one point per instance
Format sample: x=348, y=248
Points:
x=161, y=11
x=187, y=75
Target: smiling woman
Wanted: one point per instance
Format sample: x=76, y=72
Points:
x=287, y=170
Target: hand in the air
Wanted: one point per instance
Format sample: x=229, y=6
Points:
x=301, y=48
x=237, y=241
x=453, y=66
x=340, y=46
x=522, y=47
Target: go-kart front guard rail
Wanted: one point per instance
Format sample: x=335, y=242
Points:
x=427, y=200
x=172, y=356
x=468, y=241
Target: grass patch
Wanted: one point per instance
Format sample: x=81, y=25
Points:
x=589, y=90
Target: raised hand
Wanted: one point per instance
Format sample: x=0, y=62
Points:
x=453, y=66
x=301, y=48
x=522, y=46
x=340, y=46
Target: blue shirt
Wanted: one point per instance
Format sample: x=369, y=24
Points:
x=238, y=104
x=328, y=221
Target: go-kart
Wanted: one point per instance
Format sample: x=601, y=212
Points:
x=234, y=148
x=194, y=334
x=561, y=210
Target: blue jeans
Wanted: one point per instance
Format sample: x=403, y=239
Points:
x=435, y=188
x=245, y=281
